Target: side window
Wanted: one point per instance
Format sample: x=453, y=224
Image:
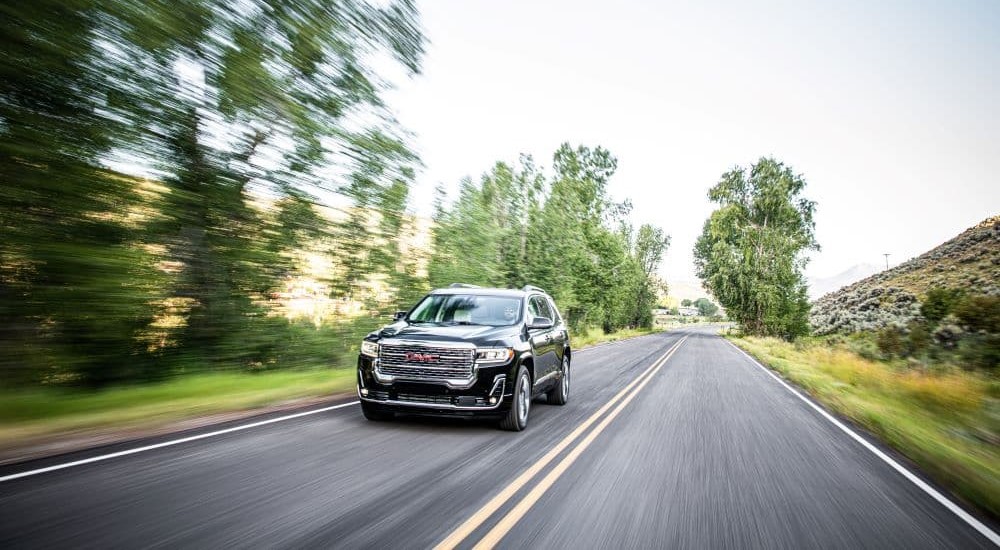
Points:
x=540, y=306
x=555, y=312
x=533, y=308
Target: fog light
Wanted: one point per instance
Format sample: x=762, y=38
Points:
x=364, y=392
x=493, y=401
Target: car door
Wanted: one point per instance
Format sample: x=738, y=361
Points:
x=542, y=341
x=560, y=334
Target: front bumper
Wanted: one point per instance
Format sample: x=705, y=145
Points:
x=490, y=393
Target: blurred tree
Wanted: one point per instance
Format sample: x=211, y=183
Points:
x=514, y=227
x=686, y=302
x=225, y=101
x=74, y=290
x=750, y=252
x=650, y=245
x=939, y=302
x=705, y=307
x=240, y=110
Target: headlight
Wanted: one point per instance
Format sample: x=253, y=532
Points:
x=369, y=348
x=494, y=356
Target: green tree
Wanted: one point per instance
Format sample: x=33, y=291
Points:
x=74, y=287
x=751, y=251
x=236, y=111
x=651, y=244
x=705, y=307
x=685, y=303
x=514, y=226
x=939, y=302
x=232, y=103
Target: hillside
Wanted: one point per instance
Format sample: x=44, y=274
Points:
x=818, y=286
x=970, y=261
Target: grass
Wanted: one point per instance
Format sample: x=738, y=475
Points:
x=35, y=413
x=28, y=415
x=593, y=336
x=945, y=420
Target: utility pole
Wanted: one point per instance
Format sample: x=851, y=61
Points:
x=886, y=260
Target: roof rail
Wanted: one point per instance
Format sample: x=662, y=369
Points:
x=528, y=288
x=463, y=285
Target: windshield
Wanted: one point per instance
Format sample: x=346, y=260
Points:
x=467, y=309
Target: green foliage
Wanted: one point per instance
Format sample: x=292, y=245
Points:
x=979, y=313
x=223, y=105
x=750, y=254
x=686, y=302
x=939, y=302
x=890, y=342
x=515, y=227
x=705, y=307
x=918, y=338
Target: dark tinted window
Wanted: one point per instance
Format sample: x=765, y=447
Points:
x=467, y=309
x=539, y=307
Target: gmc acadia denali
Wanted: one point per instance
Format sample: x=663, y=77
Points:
x=471, y=351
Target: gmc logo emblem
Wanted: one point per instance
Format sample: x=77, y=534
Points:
x=421, y=357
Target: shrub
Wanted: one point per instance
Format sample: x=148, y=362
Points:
x=980, y=351
x=948, y=334
x=939, y=302
x=890, y=342
x=979, y=313
x=918, y=339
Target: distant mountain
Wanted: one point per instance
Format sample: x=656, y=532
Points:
x=970, y=261
x=824, y=285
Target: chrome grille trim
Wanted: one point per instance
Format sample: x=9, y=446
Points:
x=455, y=364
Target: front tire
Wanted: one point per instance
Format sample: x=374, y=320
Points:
x=375, y=415
x=517, y=417
x=559, y=395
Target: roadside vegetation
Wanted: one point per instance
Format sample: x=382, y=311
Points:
x=209, y=214
x=752, y=249
x=942, y=416
x=30, y=415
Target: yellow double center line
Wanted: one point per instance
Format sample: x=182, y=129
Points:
x=507, y=523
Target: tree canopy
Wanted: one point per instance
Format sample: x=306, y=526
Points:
x=563, y=233
x=751, y=252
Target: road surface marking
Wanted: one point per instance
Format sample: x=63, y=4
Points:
x=488, y=509
x=934, y=493
x=170, y=443
x=491, y=539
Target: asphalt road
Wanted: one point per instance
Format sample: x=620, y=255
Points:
x=705, y=450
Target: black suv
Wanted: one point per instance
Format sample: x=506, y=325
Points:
x=467, y=350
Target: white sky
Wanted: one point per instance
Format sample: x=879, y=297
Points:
x=891, y=112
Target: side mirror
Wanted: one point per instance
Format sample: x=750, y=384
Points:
x=540, y=323
x=399, y=316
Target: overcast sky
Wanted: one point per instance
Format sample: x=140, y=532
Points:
x=890, y=110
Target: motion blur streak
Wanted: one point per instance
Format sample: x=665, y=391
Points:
x=510, y=520
x=945, y=501
x=481, y=515
x=171, y=443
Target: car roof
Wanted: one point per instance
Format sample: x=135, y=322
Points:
x=475, y=291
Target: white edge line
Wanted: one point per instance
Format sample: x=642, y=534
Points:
x=172, y=442
x=100, y=458
x=945, y=501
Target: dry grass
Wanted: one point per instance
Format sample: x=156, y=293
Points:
x=593, y=336
x=946, y=420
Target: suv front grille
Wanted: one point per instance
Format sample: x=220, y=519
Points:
x=446, y=363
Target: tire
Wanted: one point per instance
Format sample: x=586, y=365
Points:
x=559, y=395
x=520, y=406
x=375, y=415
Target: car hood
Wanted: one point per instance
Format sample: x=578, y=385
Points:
x=475, y=334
